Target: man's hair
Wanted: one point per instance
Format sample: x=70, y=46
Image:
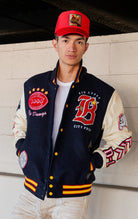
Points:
x=56, y=37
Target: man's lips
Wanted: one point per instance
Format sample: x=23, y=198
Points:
x=71, y=56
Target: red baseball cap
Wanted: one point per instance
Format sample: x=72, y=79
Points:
x=72, y=22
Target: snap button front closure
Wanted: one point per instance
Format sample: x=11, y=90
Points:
x=51, y=177
x=50, y=193
x=56, y=153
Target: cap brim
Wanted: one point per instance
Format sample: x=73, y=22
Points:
x=71, y=30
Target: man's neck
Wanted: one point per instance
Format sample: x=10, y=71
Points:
x=67, y=73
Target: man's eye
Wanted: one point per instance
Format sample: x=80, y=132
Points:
x=80, y=42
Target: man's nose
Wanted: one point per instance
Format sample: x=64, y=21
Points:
x=72, y=47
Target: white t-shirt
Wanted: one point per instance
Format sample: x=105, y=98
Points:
x=60, y=100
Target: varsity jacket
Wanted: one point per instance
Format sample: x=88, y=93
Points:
x=93, y=111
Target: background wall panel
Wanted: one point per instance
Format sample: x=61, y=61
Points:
x=114, y=59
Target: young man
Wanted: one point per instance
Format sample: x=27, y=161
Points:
x=60, y=121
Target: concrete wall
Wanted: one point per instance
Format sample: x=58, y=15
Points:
x=114, y=59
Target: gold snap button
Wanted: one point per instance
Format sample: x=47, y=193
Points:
x=56, y=153
x=50, y=193
x=61, y=129
x=51, y=186
x=51, y=177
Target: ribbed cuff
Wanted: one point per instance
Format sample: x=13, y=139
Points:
x=97, y=159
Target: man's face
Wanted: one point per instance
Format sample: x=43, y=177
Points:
x=70, y=48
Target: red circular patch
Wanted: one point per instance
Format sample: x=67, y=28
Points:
x=37, y=101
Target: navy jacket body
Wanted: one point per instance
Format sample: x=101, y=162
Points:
x=68, y=171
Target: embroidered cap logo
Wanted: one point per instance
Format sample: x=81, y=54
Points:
x=86, y=110
x=75, y=20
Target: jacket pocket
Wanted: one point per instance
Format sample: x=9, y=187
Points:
x=19, y=146
x=91, y=166
x=91, y=176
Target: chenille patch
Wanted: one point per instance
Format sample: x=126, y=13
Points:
x=86, y=110
x=37, y=99
x=23, y=159
x=122, y=122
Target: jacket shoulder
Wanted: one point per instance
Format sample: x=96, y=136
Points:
x=37, y=77
x=95, y=81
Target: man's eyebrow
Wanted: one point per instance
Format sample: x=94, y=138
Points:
x=79, y=38
x=65, y=37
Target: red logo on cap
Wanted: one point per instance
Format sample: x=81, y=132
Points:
x=75, y=20
x=37, y=101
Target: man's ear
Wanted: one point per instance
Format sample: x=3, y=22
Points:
x=54, y=43
x=86, y=47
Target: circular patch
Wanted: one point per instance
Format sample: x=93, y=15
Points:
x=37, y=101
x=122, y=121
x=23, y=159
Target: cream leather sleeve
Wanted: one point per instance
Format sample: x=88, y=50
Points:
x=20, y=122
x=115, y=133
